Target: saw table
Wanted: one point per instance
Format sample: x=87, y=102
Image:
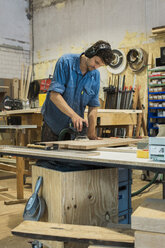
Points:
x=101, y=158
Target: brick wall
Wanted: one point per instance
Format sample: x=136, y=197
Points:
x=11, y=61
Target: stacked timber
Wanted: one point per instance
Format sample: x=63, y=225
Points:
x=149, y=222
x=158, y=30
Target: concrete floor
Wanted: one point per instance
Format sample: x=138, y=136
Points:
x=11, y=215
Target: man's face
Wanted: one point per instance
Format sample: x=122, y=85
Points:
x=94, y=63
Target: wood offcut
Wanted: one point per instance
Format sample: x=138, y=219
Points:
x=91, y=144
x=73, y=233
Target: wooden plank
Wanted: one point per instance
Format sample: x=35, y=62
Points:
x=149, y=240
x=25, y=81
x=150, y=216
x=44, y=147
x=91, y=144
x=69, y=194
x=28, y=82
x=16, y=201
x=15, y=88
x=7, y=167
x=117, y=119
x=138, y=126
x=77, y=233
x=3, y=189
x=21, y=91
x=160, y=29
x=103, y=246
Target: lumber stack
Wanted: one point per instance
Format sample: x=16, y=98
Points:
x=149, y=222
x=158, y=30
x=26, y=74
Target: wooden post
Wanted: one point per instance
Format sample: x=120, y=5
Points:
x=129, y=130
x=20, y=163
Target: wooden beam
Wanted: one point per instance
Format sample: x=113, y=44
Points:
x=3, y=189
x=150, y=216
x=85, y=144
x=73, y=233
x=149, y=239
x=7, y=167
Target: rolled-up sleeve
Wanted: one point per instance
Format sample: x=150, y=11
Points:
x=59, y=77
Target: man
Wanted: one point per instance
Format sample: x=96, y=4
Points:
x=74, y=86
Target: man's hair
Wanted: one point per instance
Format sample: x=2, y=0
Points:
x=101, y=49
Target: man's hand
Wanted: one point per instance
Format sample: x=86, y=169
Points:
x=78, y=122
x=94, y=137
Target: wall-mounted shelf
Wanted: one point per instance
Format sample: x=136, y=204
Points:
x=156, y=88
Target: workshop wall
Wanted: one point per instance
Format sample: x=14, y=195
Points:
x=14, y=37
x=65, y=26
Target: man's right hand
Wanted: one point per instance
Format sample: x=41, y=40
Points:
x=78, y=122
x=62, y=105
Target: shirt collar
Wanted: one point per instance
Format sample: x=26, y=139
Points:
x=76, y=66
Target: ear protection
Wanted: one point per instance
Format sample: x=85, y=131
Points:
x=92, y=51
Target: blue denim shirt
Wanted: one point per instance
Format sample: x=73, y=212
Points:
x=77, y=89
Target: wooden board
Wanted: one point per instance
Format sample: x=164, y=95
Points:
x=66, y=232
x=103, y=246
x=117, y=119
x=3, y=189
x=92, y=144
x=150, y=216
x=149, y=240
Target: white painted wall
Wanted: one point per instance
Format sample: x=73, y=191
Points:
x=14, y=37
x=71, y=25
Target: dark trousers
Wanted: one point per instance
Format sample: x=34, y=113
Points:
x=47, y=134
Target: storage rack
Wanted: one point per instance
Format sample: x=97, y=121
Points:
x=156, y=99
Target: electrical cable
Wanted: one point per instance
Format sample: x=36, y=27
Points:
x=146, y=186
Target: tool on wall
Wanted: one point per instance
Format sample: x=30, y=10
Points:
x=137, y=59
x=34, y=90
x=110, y=94
x=119, y=62
x=12, y=104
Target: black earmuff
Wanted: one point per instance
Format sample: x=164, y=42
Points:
x=92, y=51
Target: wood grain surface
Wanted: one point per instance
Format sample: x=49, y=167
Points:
x=150, y=216
x=149, y=240
x=85, y=144
x=85, y=197
x=66, y=232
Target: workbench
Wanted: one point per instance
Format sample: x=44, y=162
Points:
x=105, y=118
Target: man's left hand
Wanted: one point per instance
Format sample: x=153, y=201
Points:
x=94, y=137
